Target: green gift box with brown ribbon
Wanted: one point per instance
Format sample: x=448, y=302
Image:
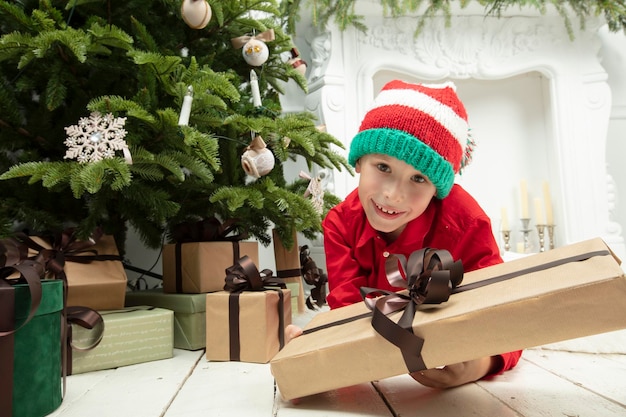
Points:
x=131, y=335
x=189, y=314
x=569, y=292
x=35, y=349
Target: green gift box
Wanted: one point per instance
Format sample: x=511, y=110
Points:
x=189, y=314
x=36, y=350
x=131, y=335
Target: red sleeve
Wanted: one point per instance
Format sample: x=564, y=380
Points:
x=507, y=361
x=345, y=277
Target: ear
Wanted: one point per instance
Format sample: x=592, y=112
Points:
x=357, y=166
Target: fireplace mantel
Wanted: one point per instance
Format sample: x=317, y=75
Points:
x=566, y=108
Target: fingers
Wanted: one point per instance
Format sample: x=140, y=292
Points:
x=291, y=332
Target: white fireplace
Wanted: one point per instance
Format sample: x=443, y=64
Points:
x=538, y=104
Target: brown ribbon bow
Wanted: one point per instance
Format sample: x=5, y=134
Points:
x=240, y=41
x=430, y=277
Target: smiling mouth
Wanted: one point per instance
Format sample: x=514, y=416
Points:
x=385, y=210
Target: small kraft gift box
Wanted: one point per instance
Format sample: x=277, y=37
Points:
x=246, y=322
x=131, y=335
x=189, y=314
x=569, y=292
x=93, y=268
x=30, y=342
x=195, y=264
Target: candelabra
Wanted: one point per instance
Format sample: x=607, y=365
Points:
x=540, y=232
x=506, y=236
x=526, y=233
x=551, y=235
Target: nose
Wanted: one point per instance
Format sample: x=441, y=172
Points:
x=392, y=190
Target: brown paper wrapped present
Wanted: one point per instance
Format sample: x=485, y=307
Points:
x=569, y=292
x=198, y=267
x=95, y=275
x=247, y=322
x=195, y=264
x=288, y=267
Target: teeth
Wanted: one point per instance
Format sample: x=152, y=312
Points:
x=384, y=210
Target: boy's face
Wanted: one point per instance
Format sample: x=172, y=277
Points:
x=392, y=192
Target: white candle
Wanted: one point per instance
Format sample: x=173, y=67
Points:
x=539, y=212
x=524, y=199
x=254, y=86
x=185, y=111
x=548, y=200
x=504, y=225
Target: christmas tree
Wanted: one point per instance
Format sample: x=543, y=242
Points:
x=138, y=113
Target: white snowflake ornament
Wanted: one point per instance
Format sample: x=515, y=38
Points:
x=97, y=137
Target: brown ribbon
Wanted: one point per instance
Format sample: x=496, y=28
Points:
x=244, y=276
x=401, y=334
x=313, y=276
x=207, y=230
x=240, y=41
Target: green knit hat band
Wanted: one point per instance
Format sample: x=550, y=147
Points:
x=405, y=147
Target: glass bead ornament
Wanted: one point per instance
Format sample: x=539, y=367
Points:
x=257, y=160
x=196, y=13
x=255, y=52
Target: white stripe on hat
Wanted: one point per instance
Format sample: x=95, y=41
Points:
x=443, y=114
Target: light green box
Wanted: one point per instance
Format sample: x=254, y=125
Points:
x=132, y=335
x=189, y=314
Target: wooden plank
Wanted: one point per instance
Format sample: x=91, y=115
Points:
x=140, y=390
x=604, y=374
x=233, y=389
x=408, y=397
x=532, y=390
x=357, y=400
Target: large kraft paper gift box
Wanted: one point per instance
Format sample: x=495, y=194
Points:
x=246, y=326
x=198, y=267
x=132, y=335
x=96, y=277
x=189, y=314
x=582, y=296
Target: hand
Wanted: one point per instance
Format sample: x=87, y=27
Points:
x=292, y=331
x=458, y=374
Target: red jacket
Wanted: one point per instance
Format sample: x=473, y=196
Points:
x=355, y=254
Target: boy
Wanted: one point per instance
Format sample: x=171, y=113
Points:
x=409, y=147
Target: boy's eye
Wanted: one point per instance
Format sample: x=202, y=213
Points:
x=383, y=167
x=418, y=178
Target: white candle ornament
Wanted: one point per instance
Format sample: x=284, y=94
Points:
x=185, y=111
x=254, y=86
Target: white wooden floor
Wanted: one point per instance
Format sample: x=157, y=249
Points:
x=579, y=378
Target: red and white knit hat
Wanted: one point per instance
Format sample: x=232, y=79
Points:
x=422, y=125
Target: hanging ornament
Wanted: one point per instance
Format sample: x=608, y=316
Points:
x=97, y=137
x=296, y=62
x=257, y=160
x=315, y=190
x=254, y=50
x=196, y=13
